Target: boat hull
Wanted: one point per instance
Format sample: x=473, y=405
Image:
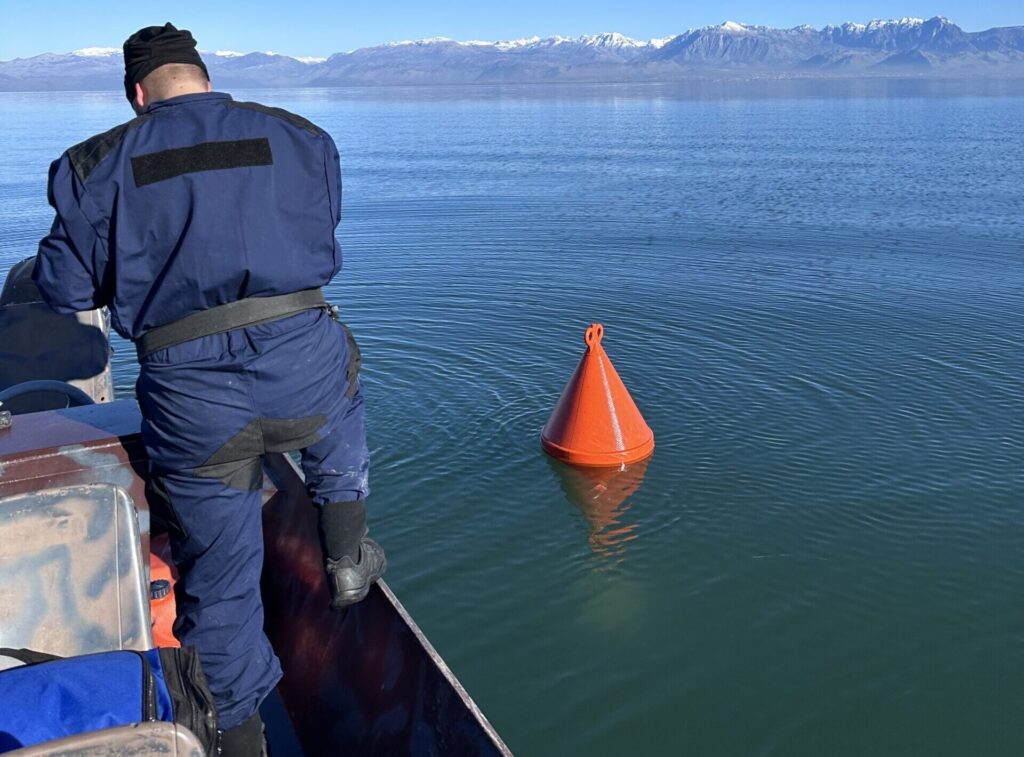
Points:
x=361, y=681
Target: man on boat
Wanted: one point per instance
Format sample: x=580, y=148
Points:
x=206, y=226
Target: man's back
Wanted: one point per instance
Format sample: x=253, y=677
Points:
x=199, y=201
x=207, y=226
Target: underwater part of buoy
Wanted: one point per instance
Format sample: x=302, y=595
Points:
x=604, y=496
x=596, y=422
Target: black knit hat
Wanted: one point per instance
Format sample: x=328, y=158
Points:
x=153, y=47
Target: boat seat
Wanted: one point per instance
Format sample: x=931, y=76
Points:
x=40, y=344
x=72, y=577
x=161, y=738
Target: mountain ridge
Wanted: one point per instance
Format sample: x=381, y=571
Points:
x=907, y=46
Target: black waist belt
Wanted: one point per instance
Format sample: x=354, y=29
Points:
x=227, y=317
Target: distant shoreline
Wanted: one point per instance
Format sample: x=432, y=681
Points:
x=861, y=85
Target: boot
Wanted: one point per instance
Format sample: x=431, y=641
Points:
x=352, y=560
x=245, y=740
x=349, y=580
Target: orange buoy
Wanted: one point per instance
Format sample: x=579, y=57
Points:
x=596, y=423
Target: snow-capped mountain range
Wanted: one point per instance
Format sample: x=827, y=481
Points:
x=908, y=46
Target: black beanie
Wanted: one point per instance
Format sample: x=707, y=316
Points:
x=153, y=47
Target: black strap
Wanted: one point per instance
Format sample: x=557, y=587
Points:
x=28, y=656
x=227, y=317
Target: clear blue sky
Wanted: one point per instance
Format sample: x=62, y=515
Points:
x=321, y=27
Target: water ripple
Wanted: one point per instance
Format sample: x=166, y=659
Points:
x=815, y=303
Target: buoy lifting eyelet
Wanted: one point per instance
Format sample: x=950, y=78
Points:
x=593, y=336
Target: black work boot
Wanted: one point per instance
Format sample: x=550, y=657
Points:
x=245, y=740
x=350, y=581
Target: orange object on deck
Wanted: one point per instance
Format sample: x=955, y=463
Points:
x=162, y=577
x=596, y=423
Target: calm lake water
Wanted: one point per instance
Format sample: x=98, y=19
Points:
x=817, y=299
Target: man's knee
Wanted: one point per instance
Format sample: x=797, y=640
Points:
x=347, y=483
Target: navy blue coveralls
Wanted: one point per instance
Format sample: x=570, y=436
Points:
x=198, y=202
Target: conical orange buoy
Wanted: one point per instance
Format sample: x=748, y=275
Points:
x=596, y=423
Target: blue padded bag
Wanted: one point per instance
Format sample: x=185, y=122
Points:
x=51, y=698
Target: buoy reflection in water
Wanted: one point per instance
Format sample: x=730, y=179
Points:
x=603, y=496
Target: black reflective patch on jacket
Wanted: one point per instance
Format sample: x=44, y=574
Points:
x=206, y=156
x=85, y=156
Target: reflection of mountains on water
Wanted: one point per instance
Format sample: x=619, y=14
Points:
x=602, y=495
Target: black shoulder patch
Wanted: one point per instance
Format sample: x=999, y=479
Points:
x=284, y=115
x=85, y=156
